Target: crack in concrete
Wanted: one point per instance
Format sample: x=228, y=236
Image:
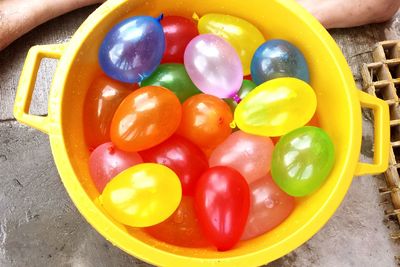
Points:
x=7, y=120
x=17, y=183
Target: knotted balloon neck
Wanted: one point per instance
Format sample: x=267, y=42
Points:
x=195, y=17
x=111, y=149
x=160, y=18
x=236, y=98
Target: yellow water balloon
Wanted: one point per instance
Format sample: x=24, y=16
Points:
x=241, y=34
x=276, y=107
x=143, y=195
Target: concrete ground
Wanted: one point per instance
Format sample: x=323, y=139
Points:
x=39, y=226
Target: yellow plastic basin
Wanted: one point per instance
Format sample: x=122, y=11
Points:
x=339, y=105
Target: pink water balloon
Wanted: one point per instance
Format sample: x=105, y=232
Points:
x=214, y=66
x=269, y=207
x=249, y=154
x=106, y=161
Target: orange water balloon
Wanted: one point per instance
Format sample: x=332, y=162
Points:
x=147, y=117
x=205, y=120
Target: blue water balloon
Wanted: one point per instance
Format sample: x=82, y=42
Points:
x=278, y=58
x=133, y=49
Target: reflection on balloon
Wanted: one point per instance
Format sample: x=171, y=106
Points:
x=181, y=228
x=248, y=154
x=278, y=58
x=106, y=161
x=222, y=202
x=132, y=49
x=143, y=195
x=205, y=121
x=276, y=107
x=181, y=156
x=269, y=207
x=214, y=66
x=241, y=34
x=302, y=160
x=175, y=78
x=147, y=117
x=101, y=101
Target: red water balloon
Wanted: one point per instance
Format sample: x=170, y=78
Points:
x=181, y=156
x=101, y=102
x=222, y=202
x=106, y=161
x=178, y=31
x=248, y=77
x=247, y=153
x=181, y=228
x=314, y=121
x=269, y=207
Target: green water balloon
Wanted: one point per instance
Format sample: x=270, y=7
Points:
x=175, y=78
x=302, y=160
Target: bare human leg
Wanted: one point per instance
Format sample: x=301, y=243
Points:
x=20, y=16
x=349, y=13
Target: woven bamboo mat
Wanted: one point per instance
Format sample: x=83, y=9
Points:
x=382, y=79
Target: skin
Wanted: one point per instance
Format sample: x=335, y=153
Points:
x=17, y=17
x=20, y=16
x=350, y=13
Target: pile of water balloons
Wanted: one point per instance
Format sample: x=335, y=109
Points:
x=183, y=136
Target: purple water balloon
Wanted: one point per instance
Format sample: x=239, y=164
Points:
x=133, y=49
x=214, y=66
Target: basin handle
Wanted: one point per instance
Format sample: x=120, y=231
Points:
x=27, y=84
x=381, y=135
